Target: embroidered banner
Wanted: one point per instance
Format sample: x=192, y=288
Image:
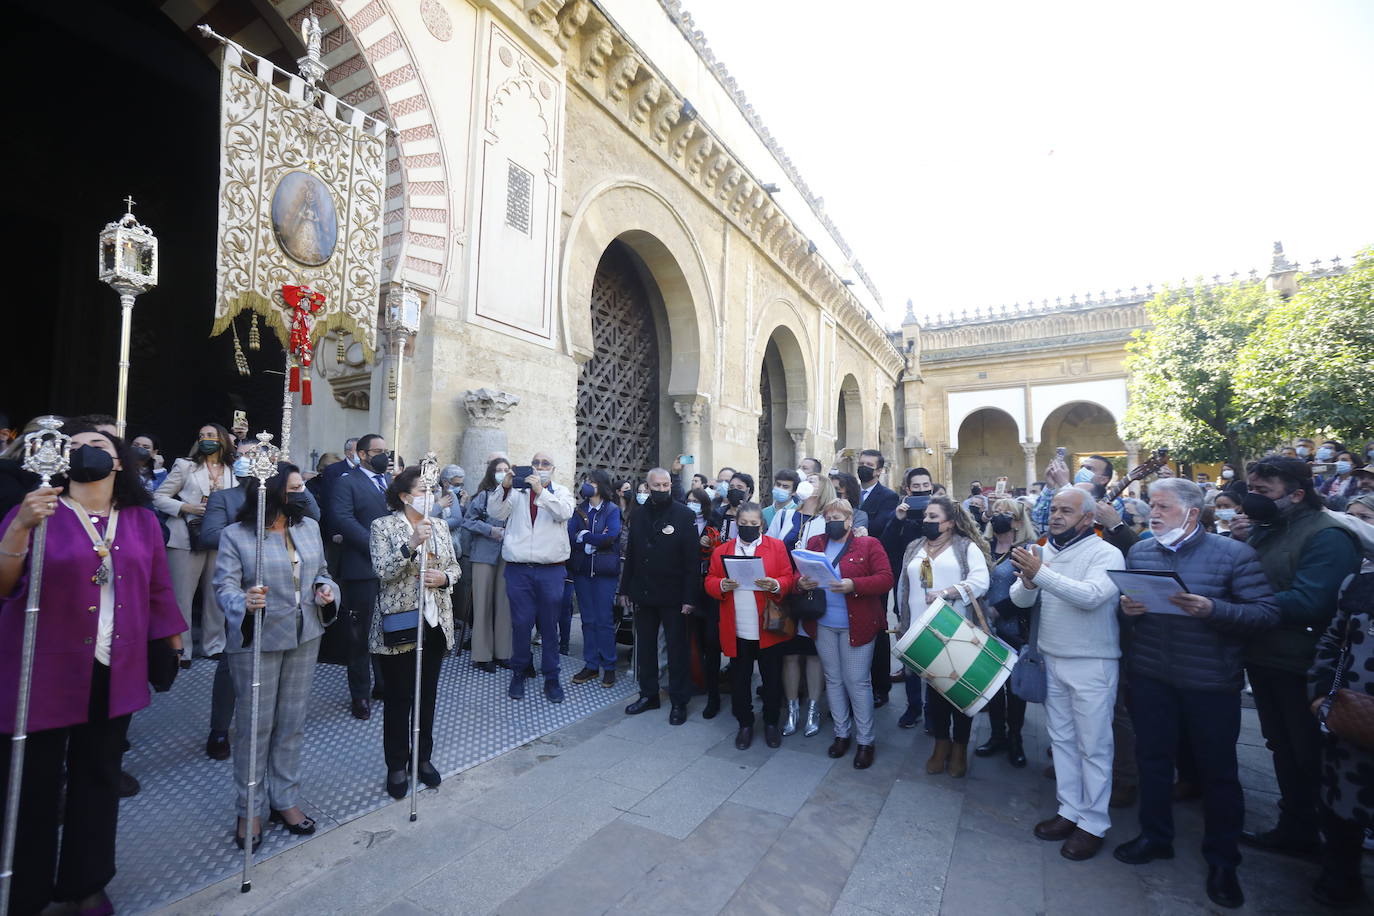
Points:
x=300, y=204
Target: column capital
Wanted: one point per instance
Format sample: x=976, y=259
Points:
x=1030, y=448
x=689, y=408
x=950, y=452
x=488, y=407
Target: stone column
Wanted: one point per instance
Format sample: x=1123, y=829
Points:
x=689, y=409
x=798, y=446
x=487, y=409
x=948, y=470
x=1030, y=449
x=1132, y=459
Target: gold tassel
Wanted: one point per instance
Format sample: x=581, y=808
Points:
x=240, y=361
x=254, y=341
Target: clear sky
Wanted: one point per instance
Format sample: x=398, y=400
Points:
x=977, y=154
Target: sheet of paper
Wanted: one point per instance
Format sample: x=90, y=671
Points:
x=813, y=565
x=1151, y=589
x=744, y=570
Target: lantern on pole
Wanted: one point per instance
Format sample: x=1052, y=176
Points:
x=128, y=265
x=403, y=323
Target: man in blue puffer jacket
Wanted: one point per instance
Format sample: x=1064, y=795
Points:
x=1186, y=666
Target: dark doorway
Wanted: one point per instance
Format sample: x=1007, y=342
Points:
x=617, y=389
x=112, y=99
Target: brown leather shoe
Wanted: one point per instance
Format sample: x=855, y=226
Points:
x=958, y=761
x=863, y=757
x=1056, y=829
x=1080, y=845
x=939, y=758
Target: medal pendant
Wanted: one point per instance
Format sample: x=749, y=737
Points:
x=102, y=576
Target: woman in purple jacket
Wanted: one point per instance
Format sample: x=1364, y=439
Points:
x=106, y=601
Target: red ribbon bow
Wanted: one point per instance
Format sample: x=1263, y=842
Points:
x=306, y=304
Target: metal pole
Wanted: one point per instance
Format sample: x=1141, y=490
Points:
x=126, y=302
x=400, y=380
x=287, y=403
x=263, y=460
x=46, y=453
x=429, y=474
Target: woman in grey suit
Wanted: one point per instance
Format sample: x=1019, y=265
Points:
x=398, y=541
x=296, y=589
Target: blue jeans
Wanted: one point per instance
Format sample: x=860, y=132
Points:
x=536, y=597
x=595, y=595
x=1212, y=722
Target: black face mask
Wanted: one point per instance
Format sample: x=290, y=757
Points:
x=140, y=452
x=1259, y=508
x=659, y=498
x=1001, y=524
x=749, y=533
x=931, y=530
x=735, y=497
x=975, y=491
x=866, y=473
x=378, y=463
x=1068, y=537
x=294, y=510
x=89, y=464
x=836, y=530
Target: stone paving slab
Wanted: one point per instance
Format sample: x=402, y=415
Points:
x=784, y=782
x=680, y=805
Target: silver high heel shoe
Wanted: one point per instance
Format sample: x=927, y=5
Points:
x=793, y=714
x=813, y=717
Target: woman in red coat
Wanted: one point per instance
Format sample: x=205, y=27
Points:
x=854, y=614
x=742, y=636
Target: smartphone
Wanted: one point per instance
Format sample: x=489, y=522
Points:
x=686, y=459
x=519, y=474
x=1001, y=488
x=1061, y=452
x=240, y=419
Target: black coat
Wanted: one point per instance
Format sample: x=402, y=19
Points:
x=662, y=569
x=879, y=506
x=355, y=504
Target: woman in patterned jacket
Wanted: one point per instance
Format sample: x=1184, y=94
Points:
x=397, y=542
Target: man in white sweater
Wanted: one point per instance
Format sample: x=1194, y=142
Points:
x=535, y=548
x=1078, y=636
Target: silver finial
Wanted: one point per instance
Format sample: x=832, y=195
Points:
x=262, y=458
x=47, y=451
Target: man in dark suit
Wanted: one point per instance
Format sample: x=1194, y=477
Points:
x=327, y=478
x=879, y=502
x=662, y=577
x=357, y=498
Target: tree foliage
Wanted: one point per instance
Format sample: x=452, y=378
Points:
x=1306, y=369
x=1181, y=371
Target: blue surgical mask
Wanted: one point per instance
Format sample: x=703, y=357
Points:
x=695, y=507
x=1344, y=467
x=723, y=488
x=781, y=496
x=242, y=468
x=641, y=498
x=1324, y=453
x=1084, y=475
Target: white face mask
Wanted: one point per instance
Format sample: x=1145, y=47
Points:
x=1227, y=474
x=805, y=490
x=499, y=476
x=694, y=506
x=1225, y=515
x=641, y=498
x=544, y=476
x=1171, y=537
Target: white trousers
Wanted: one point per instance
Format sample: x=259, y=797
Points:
x=191, y=568
x=1078, y=716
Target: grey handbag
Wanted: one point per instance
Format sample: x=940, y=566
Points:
x=1028, y=679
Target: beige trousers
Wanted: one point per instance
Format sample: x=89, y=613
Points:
x=490, y=612
x=189, y=569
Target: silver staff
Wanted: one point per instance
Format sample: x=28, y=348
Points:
x=262, y=465
x=429, y=478
x=46, y=453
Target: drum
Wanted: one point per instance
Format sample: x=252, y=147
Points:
x=966, y=665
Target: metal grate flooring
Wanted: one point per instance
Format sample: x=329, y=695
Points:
x=176, y=835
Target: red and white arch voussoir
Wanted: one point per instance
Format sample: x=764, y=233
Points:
x=369, y=65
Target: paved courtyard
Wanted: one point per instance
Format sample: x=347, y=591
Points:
x=613, y=814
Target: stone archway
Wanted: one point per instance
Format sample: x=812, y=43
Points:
x=1083, y=428
x=849, y=417
x=887, y=442
x=670, y=260
x=784, y=399
x=988, y=449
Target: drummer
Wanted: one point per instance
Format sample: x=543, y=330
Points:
x=949, y=562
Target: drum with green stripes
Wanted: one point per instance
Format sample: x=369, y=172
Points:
x=966, y=665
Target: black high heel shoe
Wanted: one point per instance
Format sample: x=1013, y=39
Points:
x=304, y=827
x=238, y=838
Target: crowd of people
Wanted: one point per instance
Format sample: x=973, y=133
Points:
x=1273, y=562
